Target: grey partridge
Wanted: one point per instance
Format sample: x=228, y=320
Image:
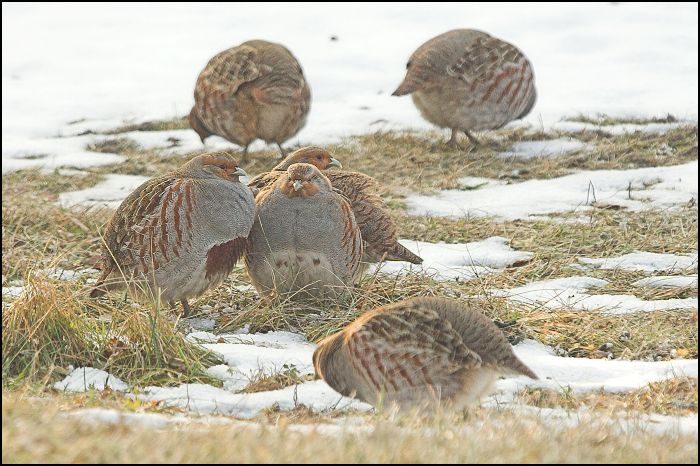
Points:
x=180, y=233
x=419, y=353
x=305, y=241
x=256, y=90
x=378, y=228
x=467, y=80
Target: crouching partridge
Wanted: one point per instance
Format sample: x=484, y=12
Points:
x=420, y=353
x=378, y=228
x=304, y=241
x=180, y=233
x=467, y=80
x=256, y=90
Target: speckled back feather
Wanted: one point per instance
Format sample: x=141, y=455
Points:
x=254, y=90
x=418, y=350
x=170, y=231
x=467, y=79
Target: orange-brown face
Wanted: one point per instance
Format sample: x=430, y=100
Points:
x=319, y=158
x=222, y=167
x=302, y=180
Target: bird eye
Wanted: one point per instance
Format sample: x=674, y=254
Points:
x=318, y=157
x=408, y=64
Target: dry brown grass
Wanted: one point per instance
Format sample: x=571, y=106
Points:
x=36, y=431
x=602, y=119
x=54, y=324
x=420, y=161
x=263, y=382
x=38, y=235
x=411, y=162
x=676, y=397
x=157, y=125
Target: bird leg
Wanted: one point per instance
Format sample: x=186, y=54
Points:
x=186, y=308
x=282, y=151
x=244, y=157
x=473, y=140
x=452, y=142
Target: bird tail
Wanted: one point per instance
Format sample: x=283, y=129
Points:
x=516, y=366
x=97, y=291
x=408, y=86
x=398, y=252
x=197, y=125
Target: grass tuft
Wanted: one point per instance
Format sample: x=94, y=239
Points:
x=53, y=325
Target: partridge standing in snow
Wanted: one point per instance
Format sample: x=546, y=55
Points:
x=305, y=241
x=379, y=231
x=418, y=353
x=181, y=232
x=254, y=91
x=467, y=80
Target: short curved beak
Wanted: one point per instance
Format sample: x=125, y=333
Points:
x=239, y=172
x=297, y=185
x=335, y=163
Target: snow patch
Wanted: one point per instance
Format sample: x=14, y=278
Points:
x=176, y=141
x=668, y=281
x=205, y=399
x=620, y=129
x=638, y=189
x=571, y=293
x=86, y=378
x=108, y=193
x=461, y=261
x=623, y=422
x=584, y=375
x=641, y=261
x=548, y=148
x=252, y=358
x=20, y=153
x=12, y=291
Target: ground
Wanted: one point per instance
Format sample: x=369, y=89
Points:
x=617, y=356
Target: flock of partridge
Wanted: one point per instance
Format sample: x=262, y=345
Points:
x=308, y=228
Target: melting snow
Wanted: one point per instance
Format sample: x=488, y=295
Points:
x=176, y=141
x=251, y=354
x=571, y=293
x=205, y=399
x=12, y=291
x=668, y=281
x=85, y=378
x=624, y=422
x=548, y=148
x=649, y=188
x=640, y=261
x=108, y=193
x=585, y=375
x=21, y=153
x=458, y=261
x=619, y=129
x=243, y=353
